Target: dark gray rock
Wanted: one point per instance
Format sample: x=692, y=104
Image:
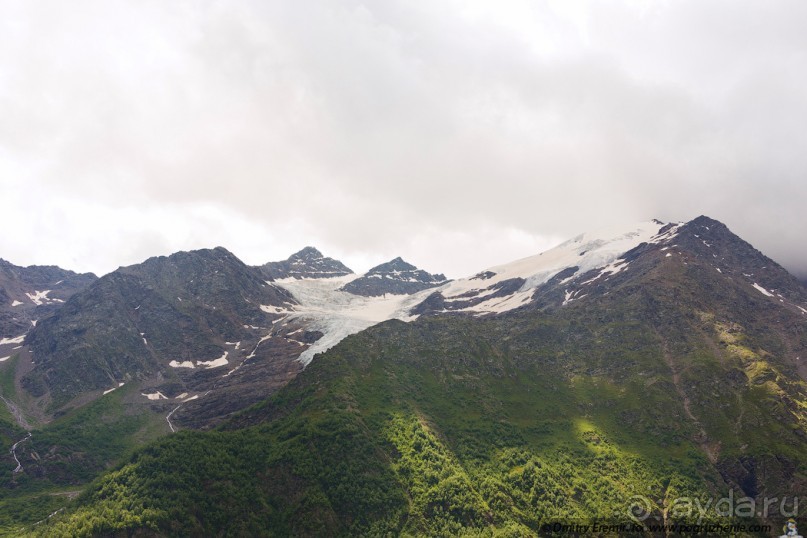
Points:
x=22, y=294
x=133, y=322
x=395, y=276
x=308, y=263
x=484, y=275
x=437, y=304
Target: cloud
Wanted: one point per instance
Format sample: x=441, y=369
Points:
x=456, y=134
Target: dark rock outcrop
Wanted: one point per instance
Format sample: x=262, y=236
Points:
x=395, y=276
x=308, y=263
x=136, y=321
x=28, y=294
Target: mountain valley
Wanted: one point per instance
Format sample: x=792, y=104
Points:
x=656, y=360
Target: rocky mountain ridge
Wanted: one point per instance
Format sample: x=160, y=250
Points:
x=171, y=323
x=307, y=263
x=28, y=294
x=395, y=277
x=593, y=264
x=178, y=325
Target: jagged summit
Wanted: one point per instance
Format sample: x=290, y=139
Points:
x=307, y=263
x=308, y=252
x=396, y=264
x=395, y=276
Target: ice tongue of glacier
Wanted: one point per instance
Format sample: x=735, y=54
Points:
x=324, y=307
x=338, y=314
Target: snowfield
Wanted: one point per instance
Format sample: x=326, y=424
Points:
x=588, y=251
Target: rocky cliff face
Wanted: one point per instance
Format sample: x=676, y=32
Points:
x=28, y=294
x=394, y=277
x=173, y=318
x=308, y=263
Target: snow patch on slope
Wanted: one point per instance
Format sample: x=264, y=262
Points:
x=14, y=340
x=40, y=298
x=113, y=388
x=762, y=290
x=498, y=305
x=221, y=361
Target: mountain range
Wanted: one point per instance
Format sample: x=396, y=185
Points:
x=654, y=360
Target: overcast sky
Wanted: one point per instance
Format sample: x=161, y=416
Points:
x=457, y=134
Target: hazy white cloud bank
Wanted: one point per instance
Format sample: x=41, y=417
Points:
x=456, y=134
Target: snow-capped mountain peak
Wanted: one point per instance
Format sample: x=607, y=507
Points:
x=587, y=251
x=511, y=285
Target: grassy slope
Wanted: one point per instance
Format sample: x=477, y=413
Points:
x=64, y=456
x=10, y=431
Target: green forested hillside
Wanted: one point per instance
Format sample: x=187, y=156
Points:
x=450, y=426
x=61, y=458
